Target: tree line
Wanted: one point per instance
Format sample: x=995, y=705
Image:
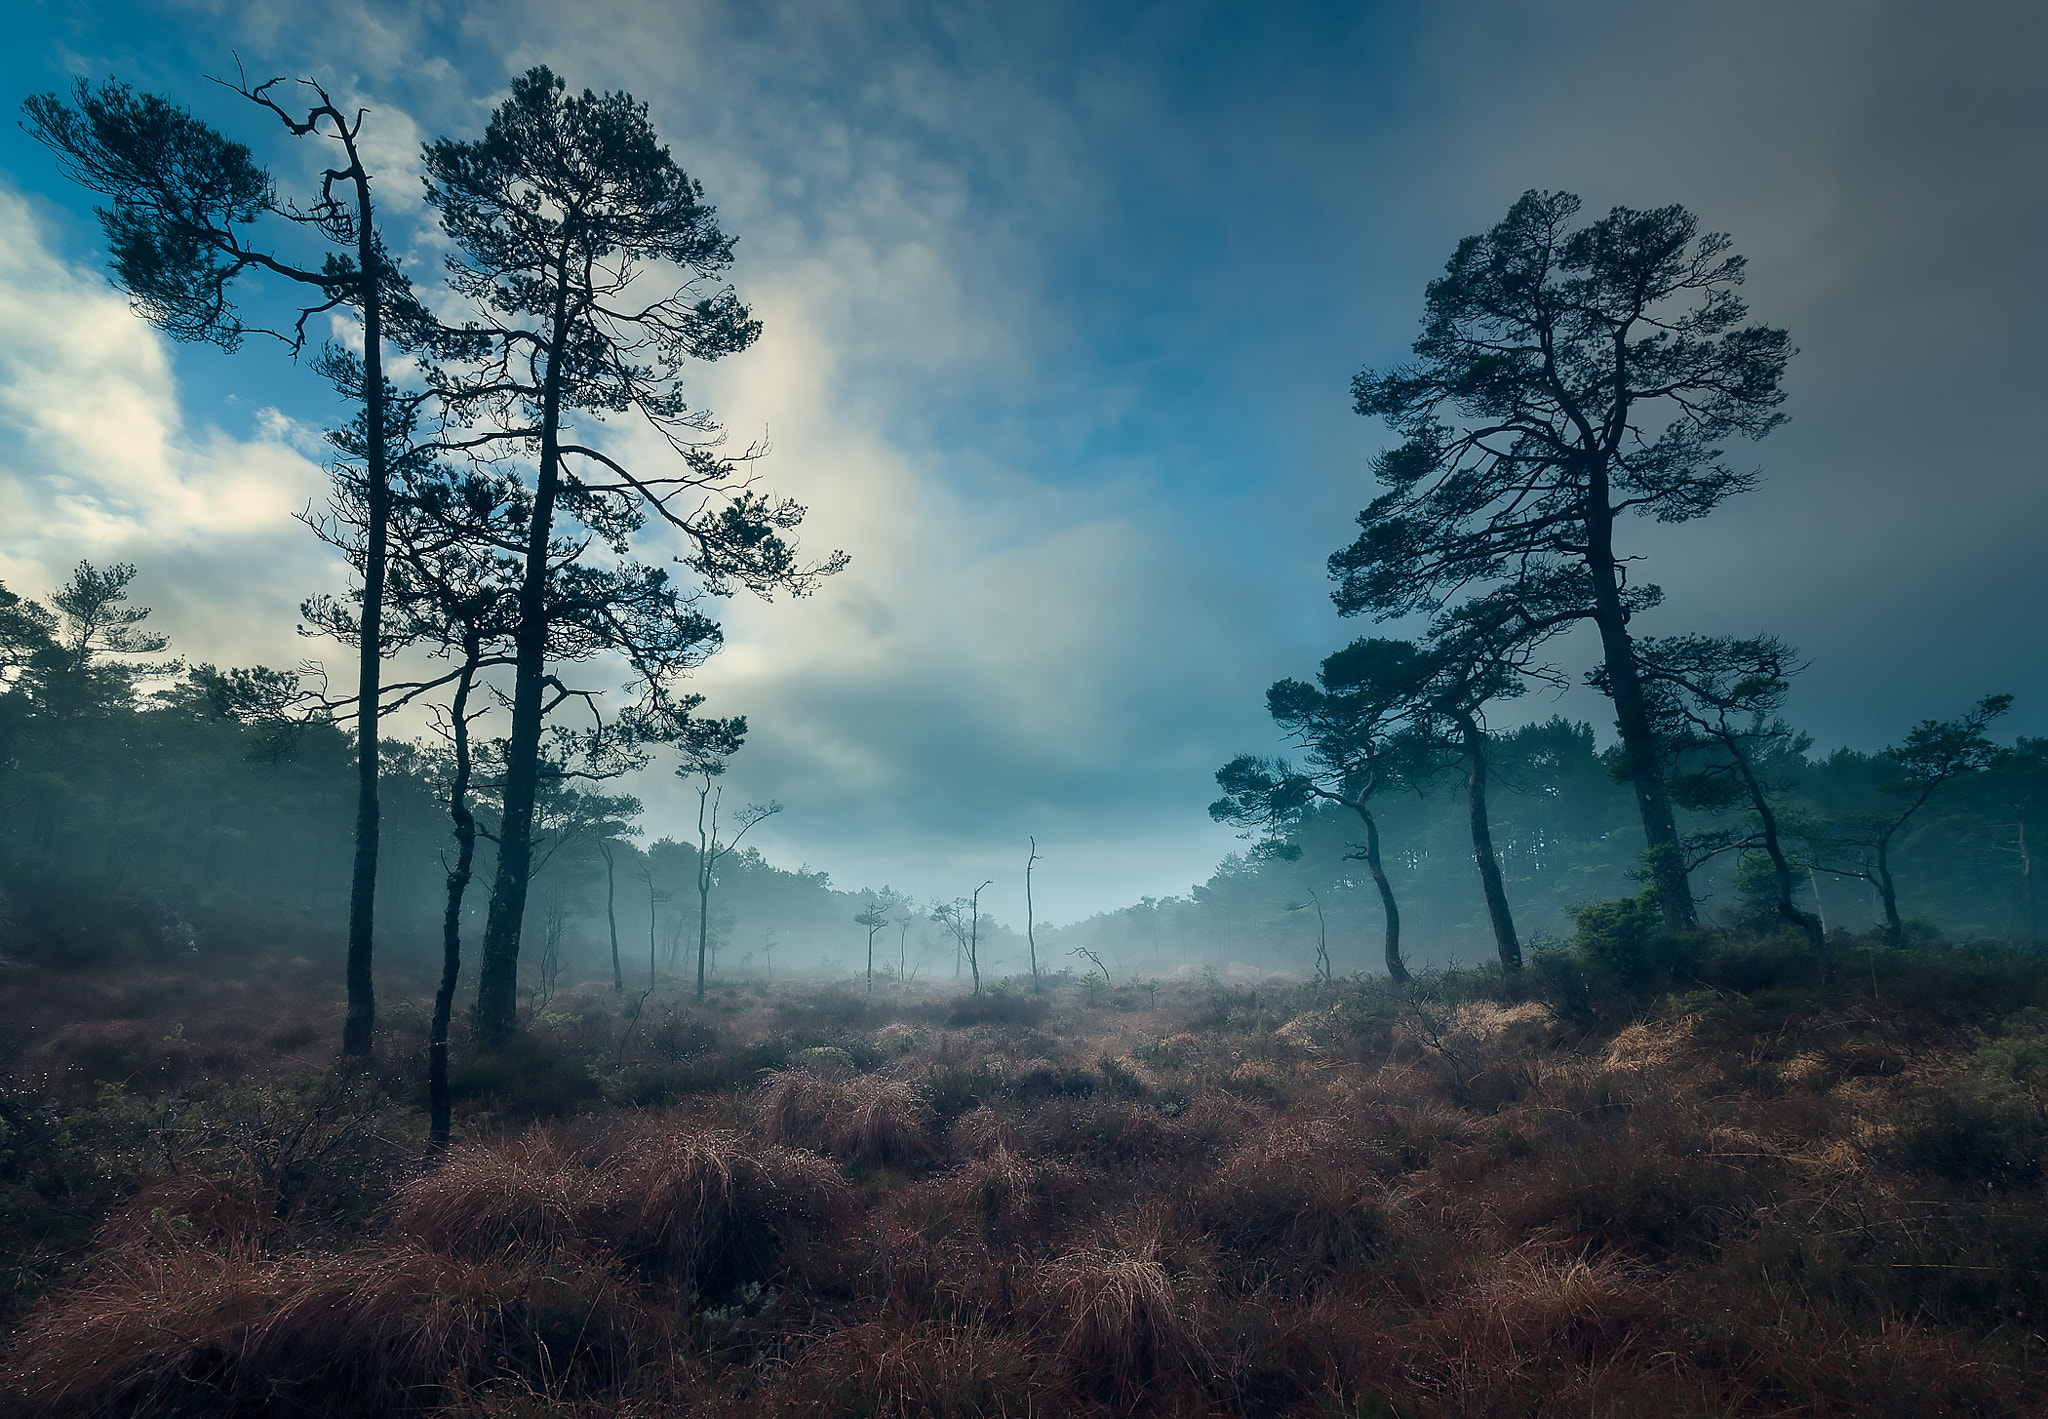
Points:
x=493, y=527
x=1569, y=380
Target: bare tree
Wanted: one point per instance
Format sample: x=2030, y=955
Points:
x=1030, y=916
x=711, y=848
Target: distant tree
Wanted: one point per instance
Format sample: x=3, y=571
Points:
x=878, y=909
x=96, y=635
x=655, y=897
x=1476, y=654
x=961, y=918
x=2014, y=788
x=1565, y=379
x=1934, y=755
x=27, y=636
x=1031, y=931
x=1324, y=972
x=712, y=848
x=1715, y=702
x=558, y=217
x=1348, y=724
x=185, y=202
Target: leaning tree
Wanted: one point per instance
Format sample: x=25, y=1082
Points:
x=1350, y=725
x=1566, y=379
x=593, y=271
x=1714, y=702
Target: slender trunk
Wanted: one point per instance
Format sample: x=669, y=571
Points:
x=1396, y=967
x=1806, y=921
x=703, y=923
x=1894, y=929
x=1819, y=908
x=360, y=1024
x=1632, y=718
x=1505, y=942
x=650, y=931
x=611, y=916
x=438, y=1104
x=497, y=1003
x=871, y=959
x=1030, y=931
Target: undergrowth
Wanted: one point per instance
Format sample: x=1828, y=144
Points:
x=1647, y=1176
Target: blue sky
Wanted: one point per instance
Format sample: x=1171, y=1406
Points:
x=1062, y=302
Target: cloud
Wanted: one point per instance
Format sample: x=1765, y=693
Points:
x=1061, y=304
x=98, y=463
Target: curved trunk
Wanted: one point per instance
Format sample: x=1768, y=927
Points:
x=360, y=1024
x=438, y=1104
x=1806, y=921
x=1396, y=967
x=1505, y=942
x=1632, y=717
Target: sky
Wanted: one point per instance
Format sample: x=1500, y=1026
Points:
x=1062, y=302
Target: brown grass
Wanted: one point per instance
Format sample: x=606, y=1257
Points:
x=1830, y=1206
x=877, y=1123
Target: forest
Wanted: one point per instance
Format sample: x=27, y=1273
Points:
x=370, y=1048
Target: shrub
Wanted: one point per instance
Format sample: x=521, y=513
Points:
x=529, y=1078
x=1115, y=1326
x=998, y=1008
x=1622, y=938
x=1976, y=1130
x=877, y=1123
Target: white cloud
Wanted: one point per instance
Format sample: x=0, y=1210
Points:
x=97, y=463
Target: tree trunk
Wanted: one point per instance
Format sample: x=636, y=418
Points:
x=438, y=1103
x=1894, y=928
x=1806, y=921
x=611, y=916
x=359, y=1026
x=703, y=921
x=1632, y=719
x=1505, y=942
x=1396, y=967
x=650, y=931
x=497, y=1002
x=1031, y=931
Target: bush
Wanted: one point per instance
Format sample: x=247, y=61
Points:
x=998, y=1007
x=529, y=1078
x=1623, y=939
x=1976, y=1130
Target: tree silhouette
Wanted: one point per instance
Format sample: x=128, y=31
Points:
x=1564, y=380
x=1714, y=700
x=185, y=202
x=711, y=846
x=1934, y=755
x=558, y=215
x=878, y=909
x=1349, y=724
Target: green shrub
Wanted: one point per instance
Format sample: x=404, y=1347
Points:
x=1621, y=939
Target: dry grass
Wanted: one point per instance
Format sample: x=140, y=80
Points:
x=1441, y=1203
x=876, y=1123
